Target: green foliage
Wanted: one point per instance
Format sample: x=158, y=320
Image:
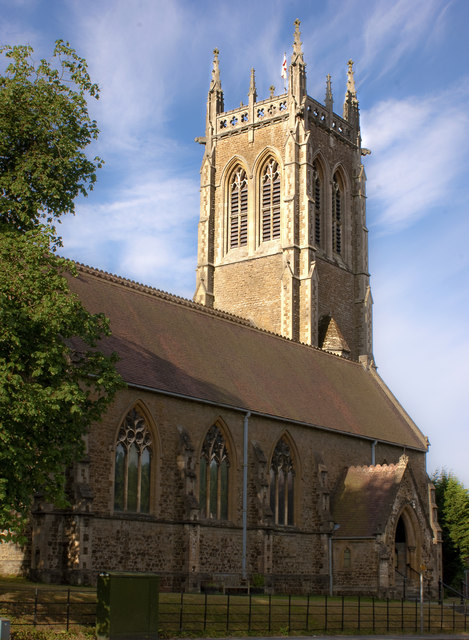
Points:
x=44, y=127
x=54, y=382
x=453, y=514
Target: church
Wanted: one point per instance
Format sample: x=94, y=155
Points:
x=254, y=442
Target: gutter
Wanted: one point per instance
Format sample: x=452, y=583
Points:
x=270, y=416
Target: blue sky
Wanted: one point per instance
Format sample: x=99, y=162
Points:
x=152, y=60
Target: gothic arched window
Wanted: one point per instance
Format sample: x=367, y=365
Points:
x=318, y=204
x=270, y=201
x=337, y=214
x=282, y=477
x=238, y=206
x=133, y=465
x=214, y=476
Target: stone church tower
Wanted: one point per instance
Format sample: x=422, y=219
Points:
x=282, y=231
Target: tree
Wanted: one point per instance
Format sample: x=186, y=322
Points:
x=53, y=379
x=44, y=127
x=453, y=508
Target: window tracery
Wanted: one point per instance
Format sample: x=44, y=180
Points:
x=282, y=475
x=132, y=470
x=270, y=201
x=214, y=476
x=317, y=194
x=337, y=214
x=238, y=209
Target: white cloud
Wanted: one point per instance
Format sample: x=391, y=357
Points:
x=147, y=233
x=420, y=151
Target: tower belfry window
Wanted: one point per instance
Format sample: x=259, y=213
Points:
x=132, y=465
x=282, y=475
x=214, y=476
x=317, y=194
x=337, y=215
x=270, y=201
x=238, y=209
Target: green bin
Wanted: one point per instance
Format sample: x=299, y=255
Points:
x=127, y=606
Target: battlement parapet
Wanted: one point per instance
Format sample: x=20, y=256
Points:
x=244, y=116
x=276, y=108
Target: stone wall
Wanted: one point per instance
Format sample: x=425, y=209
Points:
x=189, y=551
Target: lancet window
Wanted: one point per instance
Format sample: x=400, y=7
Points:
x=282, y=478
x=318, y=204
x=132, y=473
x=347, y=558
x=337, y=214
x=270, y=201
x=238, y=209
x=214, y=476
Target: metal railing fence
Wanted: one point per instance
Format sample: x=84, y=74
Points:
x=218, y=614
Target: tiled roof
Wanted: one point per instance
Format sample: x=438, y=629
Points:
x=175, y=345
x=363, y=501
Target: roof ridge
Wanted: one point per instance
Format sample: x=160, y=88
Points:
x=171, y=297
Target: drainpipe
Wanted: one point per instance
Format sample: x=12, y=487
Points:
x=245, y=491
x=373, y=452
x=335, y=526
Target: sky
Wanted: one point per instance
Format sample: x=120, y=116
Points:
x=152, y=60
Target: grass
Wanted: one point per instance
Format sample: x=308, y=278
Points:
x=199, y=615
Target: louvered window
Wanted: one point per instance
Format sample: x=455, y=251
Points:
x=317, y=204
x=337, y=213
x=282, y=477
x=270, y=201
x=132, y=469
x=214, y=468
x=238, y=209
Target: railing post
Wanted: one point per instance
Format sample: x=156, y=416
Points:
x=228, y=612
x=440, y=591
x=289, y=612
x=373, y=605
x=359, y=612
x=250, y=612
x=387, y=614
x=205, y=611
x=343, y=613
x=270, y=611
x=307, y=613
x=181, y=610
x=68, y=609
x=325, y=612
x=35, y=607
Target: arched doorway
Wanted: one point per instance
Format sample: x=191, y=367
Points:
x=407, y=545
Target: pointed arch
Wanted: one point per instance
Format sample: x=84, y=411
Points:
x=237, y=207
x=282, y=484
x=134, y=462
x=269, y=175
x=407, y=542
x=339, y=190
x=318, y=181
x=215, y=477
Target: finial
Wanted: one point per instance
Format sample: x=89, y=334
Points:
x=252, y=86
x=329, y=100
x=296, y=41
x=215, y=71
x=272, y=91
x=350, y=79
